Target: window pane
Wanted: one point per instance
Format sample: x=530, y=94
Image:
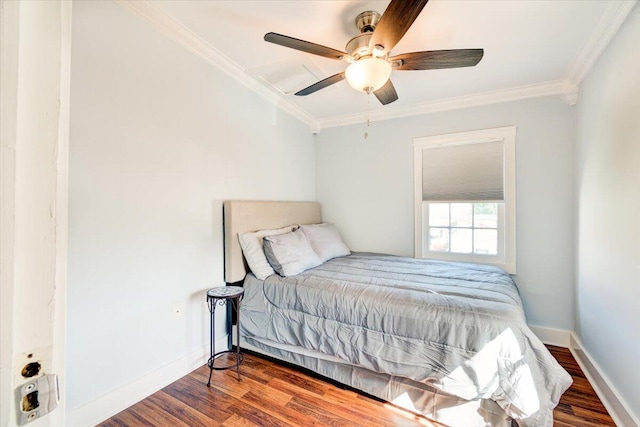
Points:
x=439, y=214
x=461, y=240
x=485, y=242
x=485, y=215
x=439, y=239
x=461, y=214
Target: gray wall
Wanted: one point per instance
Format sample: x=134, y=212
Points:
x=608, y=200
x=366, y=188
x=158, y=139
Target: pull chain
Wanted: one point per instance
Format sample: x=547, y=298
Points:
x=366, y=133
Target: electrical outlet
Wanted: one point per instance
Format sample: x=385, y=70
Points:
x=178, y=311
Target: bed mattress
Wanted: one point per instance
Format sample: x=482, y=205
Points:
x=455, y=328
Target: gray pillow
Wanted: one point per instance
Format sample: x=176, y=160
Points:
x=251, y=244
x=290, y=254
x=325, y=241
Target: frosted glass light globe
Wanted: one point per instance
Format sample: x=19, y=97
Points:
x=368, y=74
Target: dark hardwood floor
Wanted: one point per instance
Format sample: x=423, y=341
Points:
x=271, y=394
x=579, y=405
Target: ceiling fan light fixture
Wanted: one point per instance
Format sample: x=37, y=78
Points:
x=368, y=74
x=368, y=53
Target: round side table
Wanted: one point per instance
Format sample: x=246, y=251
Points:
x=221, y=296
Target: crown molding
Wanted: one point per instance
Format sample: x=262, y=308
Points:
x=557, y=87
x=174, y=29
x=606, y=28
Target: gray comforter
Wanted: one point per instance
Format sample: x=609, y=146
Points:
x=458, y=327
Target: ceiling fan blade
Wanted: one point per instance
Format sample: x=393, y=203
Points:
x=304, y=46
x=387, y=93
x=436, y=59
x=395, y=22
x=321, y=84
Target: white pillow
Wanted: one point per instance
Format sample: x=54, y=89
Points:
x=251, y=244
x=290, y=254
x=325, y=241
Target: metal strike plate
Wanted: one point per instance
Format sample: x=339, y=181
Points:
x=37, y=398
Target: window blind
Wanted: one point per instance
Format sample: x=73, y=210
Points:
x=463, y=172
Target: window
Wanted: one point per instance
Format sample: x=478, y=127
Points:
x=465, y=197
x=462, y=228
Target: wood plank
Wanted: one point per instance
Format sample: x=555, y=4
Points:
x=321, y=415
x=224, y=383
x=258, y=415
x=282, y=412
x=127, y=418
x=286, y=380
x=156, y=415
x=181, y=410
x=210, y=402
x=237, y=421
x=593, y=416
x=113, y=422
x=580, y=399
x=575, y=420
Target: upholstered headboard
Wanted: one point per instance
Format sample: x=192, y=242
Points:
x=241, y=216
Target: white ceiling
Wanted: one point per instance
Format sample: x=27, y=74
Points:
x=531, y=48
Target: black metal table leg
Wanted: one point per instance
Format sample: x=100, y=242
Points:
x=211, y=302
x=222, y=296
x=238, y=357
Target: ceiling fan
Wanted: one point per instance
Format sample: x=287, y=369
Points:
x=368, y=53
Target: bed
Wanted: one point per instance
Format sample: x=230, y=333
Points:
x=447, y=340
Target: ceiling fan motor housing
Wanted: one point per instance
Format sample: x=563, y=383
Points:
x=358, y=46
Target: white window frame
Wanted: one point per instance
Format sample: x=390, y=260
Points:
x=506, y=258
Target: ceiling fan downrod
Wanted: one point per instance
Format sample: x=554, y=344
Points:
x=366, y=21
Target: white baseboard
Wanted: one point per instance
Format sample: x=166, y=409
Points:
x=552, y=336
x=617, y=407
x=110, y=404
